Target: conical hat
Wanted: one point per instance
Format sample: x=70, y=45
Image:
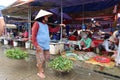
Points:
x=115, y=33
x=112, y=39
x=42, y=13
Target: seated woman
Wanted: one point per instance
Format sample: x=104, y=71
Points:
x=85, y=42
x=109, y=45
x=25, y=35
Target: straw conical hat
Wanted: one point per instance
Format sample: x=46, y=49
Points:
x=42, y=13
x=115, y=33
x=112, y=39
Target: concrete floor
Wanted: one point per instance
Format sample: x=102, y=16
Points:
x=11, y=69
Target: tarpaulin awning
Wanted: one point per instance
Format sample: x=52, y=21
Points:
x=73, y=8
x=5, y=3
x=75, y=5
x=103, y=4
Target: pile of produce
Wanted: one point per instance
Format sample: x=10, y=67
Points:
x=16, y=53
x=61, y=64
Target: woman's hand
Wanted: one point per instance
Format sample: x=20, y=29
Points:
x=115, y=52
x=62, y=25
x=38, y=49
x=84, y=48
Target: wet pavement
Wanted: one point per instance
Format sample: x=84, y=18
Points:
x=11, y=69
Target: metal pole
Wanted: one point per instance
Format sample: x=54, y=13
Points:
x=83, y=13
x=118, y=55
x=29, y=22
x=61, y=19
x=5, y=29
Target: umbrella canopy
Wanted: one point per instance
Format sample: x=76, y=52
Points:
x=12, y=26
x=5, y=3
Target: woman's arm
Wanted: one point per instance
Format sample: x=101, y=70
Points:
x=56, y=25
x=89, y=43
x=79, y=43
x=34, y=33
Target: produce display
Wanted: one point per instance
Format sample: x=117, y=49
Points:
x=16, y=53
x=102, y=59
x=80, y=56
x=61, y=64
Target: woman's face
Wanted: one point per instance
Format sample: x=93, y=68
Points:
x=84, y=36
x=46, y=19
x=111, y=42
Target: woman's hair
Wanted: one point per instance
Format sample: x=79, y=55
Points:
x=40, y=19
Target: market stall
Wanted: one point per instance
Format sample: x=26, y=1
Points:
x=93, y=11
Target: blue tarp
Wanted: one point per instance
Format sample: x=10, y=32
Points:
x=91, y=6
x=74, y=6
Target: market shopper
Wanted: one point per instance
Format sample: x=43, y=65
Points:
x=41, y=40
x=2, y=23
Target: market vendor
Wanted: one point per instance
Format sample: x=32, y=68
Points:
x=109, y=46
x=24, y=35
x=116, y=35
x=85, y=42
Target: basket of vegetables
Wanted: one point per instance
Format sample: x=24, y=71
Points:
x=16, y=53
x=61, y=64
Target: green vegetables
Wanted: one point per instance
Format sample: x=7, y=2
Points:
x=16, y=53
x=61, y=64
